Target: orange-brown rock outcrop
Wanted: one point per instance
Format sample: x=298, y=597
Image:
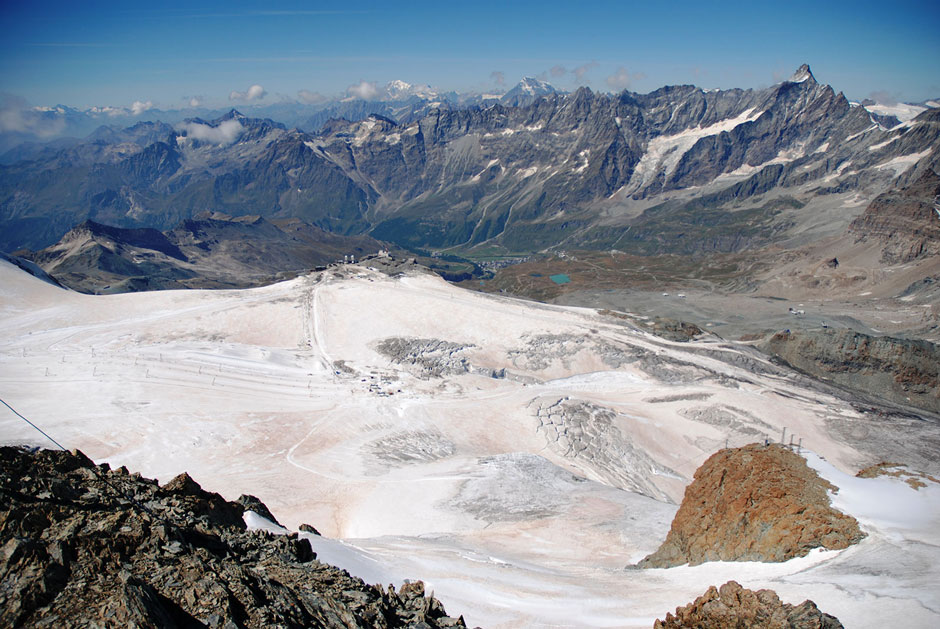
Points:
x=898, y=470
x=755, y=503
x=734, y=607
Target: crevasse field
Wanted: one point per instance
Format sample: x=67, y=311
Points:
x=517, y=457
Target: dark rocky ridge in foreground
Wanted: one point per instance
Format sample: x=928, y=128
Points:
x=755, y=503
x=85, y=546
x=732, y=606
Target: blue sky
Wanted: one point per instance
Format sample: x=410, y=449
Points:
x=114, y=53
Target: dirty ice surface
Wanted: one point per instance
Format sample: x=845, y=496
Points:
x=517, y=457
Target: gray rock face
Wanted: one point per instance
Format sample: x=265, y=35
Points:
x=679, y=170
x=82, y=545
x=905, y=220
x=903, y=371
x=432, y=358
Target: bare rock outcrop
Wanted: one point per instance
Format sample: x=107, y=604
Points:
x=914, y=478
x=904, y=220
x=431, y=358
x=899, y=370
x=734, y=607
x=85, y=546
x=755, y=503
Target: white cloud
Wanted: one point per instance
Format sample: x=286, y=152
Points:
x=140, y=107
x=311, y=98
x=195, y=101
x=498, y=77
x=884, y=97
x=255, y=92
x=558, y=71
x=15, y=115
x=581, y=71
x=225, y=133
x=621, y=79
x=107, y=109
x=365, y=90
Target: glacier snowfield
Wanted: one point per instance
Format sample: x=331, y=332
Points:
x=513, y=455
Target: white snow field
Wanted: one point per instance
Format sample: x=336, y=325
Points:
x=515, y=456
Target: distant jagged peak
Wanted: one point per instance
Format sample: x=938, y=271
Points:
x=399, y=86
x=527, y=91
x=533, y=86
x=232, y=114
x=242, y=119
x=803, y=73
x=230, y=122
x=399, y=90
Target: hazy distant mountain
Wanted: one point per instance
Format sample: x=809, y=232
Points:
x=39, y=126
x=526, y=92
x=42, y=125
x=677, y=170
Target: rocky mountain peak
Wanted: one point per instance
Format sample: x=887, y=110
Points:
x=86, y=227
x=532, y=86
x=527, y=91
x=803, y=73
x=232, y=114
x=398, y=89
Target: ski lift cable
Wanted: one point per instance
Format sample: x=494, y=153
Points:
x=43, y=432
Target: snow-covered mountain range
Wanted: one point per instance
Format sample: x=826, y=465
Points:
x=678, y=170
x=25, y=128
